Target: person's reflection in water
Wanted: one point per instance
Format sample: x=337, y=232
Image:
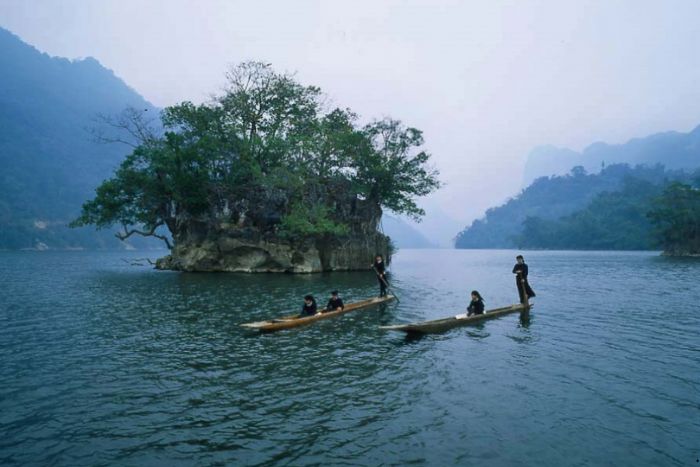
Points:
x=478, y=331
x=525, y=318
x=413, y=337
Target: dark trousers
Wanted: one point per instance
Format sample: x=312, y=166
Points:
x=382, y=286
x=524, y=288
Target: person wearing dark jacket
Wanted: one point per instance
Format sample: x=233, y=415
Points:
x=309, y=308
x=520, y=270
x=380, y=270
x=335, y=303
x=476, y=306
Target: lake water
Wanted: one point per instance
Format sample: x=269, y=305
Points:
x=106, y=363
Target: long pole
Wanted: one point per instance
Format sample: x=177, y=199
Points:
x=381, y=278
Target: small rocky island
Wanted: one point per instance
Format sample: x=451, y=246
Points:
x=265, y=178
x=220, y=244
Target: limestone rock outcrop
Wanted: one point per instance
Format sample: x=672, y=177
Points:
x=218, y=245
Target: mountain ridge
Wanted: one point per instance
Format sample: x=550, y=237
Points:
x=554, y=198
x=673, y=149
x=49, y=161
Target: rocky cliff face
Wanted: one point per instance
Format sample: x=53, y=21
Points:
x=229, y=253
x=217, y=245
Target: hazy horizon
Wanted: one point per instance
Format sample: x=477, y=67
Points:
x=485, y=82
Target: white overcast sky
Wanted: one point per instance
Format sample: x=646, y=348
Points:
x=485, y=80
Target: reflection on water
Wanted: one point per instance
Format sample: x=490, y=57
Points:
x=107, y=363
x=525, y=319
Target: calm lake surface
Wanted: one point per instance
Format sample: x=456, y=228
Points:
x=105, y=363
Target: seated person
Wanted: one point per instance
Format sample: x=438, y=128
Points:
x=309, y=308
x=476, y=306
x=335, y=303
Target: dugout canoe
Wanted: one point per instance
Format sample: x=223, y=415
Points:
x=293, y=321
x=445, y=324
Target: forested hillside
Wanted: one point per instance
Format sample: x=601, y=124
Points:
x=49, y=160
x=579, y=210
x=612, y=221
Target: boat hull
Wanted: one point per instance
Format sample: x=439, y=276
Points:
x=294, y=321
x=445, y=324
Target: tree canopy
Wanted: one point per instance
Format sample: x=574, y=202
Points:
x=550, y=199
x=612, y=221
x=607, y=210
x=267, y=154
x=676, y=219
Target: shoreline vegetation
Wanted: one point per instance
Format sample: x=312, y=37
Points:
x=621, y=208
x=264, y=178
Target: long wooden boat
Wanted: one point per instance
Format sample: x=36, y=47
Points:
x=445, y=324
x=292, y=321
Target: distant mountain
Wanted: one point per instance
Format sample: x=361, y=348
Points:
x=49, y=162
x=544, y=161
x=611, y=221
x=554, y=198
x=404, y=235
x=437, y=226
x=672, y=149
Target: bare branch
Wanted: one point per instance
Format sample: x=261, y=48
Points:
x=148, y=233
x=138, y=261
x=132, y=127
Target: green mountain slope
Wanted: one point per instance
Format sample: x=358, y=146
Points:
x=612, y=221
x=49, y=161
x=549, y=199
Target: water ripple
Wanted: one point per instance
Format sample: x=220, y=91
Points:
x=105, y=363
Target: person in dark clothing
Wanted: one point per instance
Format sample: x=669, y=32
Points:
x=335, y=303
x=520, y=270
x=309, y=308
x=476, y=306
x=380, y=270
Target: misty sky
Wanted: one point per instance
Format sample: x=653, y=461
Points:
x=485, y=80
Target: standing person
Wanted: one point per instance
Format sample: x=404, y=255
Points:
x=476, y=306
x=380, y=270
x=335, y=303
x=309, y=307
x=520, y=270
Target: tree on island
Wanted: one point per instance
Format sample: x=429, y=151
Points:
x=268, y=160
x=676, y=218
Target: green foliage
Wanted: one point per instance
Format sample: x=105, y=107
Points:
x=265, y=155
x=676, y=219
x=392, y=170
x=540, y=206
x=611, y=221
x=303, y=220
x=392, y=248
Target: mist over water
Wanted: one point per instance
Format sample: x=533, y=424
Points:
x=107, y=363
